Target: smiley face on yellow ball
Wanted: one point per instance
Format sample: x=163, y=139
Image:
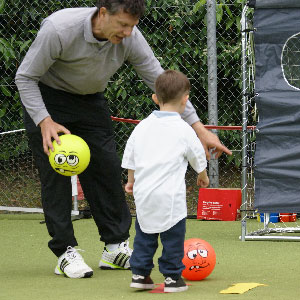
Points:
x=71, y=157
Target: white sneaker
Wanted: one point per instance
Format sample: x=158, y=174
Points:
x=117, y=259
x=72, y=265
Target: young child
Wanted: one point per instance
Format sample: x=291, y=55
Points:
x=156, y=156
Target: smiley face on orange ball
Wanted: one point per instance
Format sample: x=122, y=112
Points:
x=199, y=259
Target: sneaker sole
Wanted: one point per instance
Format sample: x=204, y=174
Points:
x=175, y=289
x=58, y=271
x=142, y=286
x=109, y=266
x=88, y=274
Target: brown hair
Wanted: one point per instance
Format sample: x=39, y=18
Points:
x=136, y=8
x=171, y=85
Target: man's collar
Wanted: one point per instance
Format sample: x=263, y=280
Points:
x=88, y=32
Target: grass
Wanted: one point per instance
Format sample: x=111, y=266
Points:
x=27, y=265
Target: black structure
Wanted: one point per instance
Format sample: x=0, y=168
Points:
x=277, y=87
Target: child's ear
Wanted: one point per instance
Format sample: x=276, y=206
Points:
x=185, y=99
x=154, y=98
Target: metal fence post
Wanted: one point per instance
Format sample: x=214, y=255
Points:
x=212, y=84
x=244, y=125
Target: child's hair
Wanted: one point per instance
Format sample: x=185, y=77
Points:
x=171, y=85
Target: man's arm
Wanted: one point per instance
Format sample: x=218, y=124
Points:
x=143, y=60
x=209, y=140
x=41, y=55
x=148, y=67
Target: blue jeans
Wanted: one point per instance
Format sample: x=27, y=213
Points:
x=145, y=246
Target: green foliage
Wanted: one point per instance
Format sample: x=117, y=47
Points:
x=176, y=31
x=12, y=146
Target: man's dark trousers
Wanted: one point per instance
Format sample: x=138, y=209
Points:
x=88, y=117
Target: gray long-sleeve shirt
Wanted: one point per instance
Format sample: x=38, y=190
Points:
x=65, y=55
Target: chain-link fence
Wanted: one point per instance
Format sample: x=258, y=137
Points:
x=177, y=32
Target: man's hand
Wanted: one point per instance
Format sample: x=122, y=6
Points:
x=210, y=141
x=49, y=130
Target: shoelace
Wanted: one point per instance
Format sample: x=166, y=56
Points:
x=72, y=254
x=125, y=246
x=169, y=280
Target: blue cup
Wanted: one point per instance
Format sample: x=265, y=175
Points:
x=274, y=217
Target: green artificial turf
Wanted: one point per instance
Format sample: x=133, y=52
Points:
x=27, y=265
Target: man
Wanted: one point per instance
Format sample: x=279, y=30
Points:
x=61, y=83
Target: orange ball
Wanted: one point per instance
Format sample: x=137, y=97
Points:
x=199, y=259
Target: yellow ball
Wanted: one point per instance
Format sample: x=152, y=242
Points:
x=71, y=157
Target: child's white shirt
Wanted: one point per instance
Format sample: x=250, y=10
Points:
x=158, y=150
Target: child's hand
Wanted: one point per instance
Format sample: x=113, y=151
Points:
x=203, y=180
x=129, y=188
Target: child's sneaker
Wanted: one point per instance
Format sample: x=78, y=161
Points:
x=142, y=282
x=72, y=265
x=172, y=286
x=118, y=259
